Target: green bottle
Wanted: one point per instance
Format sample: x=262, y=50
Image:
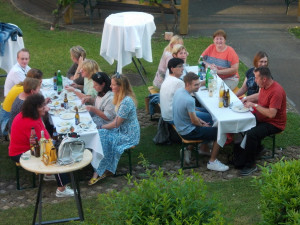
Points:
x=207, y=76
x=59, y=82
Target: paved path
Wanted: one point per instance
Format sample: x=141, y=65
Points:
x=251, y=25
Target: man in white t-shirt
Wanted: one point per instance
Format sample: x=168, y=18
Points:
x=18, y=72
x=169, y=87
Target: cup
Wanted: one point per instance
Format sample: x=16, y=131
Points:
x=210, y=87
x=26, y=155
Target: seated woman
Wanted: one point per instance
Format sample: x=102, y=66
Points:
x=249, y=85
x=122, y=133
x=88, y=68
x=5, y=110
x=223, y=59
x=163, y=64
x=103, y=111
x=31, y=86
x=78, y=55
x=33, y=109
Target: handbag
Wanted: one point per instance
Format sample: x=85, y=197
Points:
x=49, y=152
x=70, y=150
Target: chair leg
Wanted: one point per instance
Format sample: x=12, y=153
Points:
x=273, y=148
x=18, y=178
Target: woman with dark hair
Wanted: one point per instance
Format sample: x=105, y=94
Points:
x=249, y=85
x=122, y=133
x=33, y=109
x=103, y=111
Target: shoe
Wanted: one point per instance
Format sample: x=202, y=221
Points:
x=68, y=192
x=49, y=177
x=93, y=181
x=217, y=166
x=246, y=171
x=187, y=155
x=203, y=152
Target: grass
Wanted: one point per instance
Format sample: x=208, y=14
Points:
x=50, y=52
x=295, y=31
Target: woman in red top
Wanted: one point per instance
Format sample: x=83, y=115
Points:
x=33, y=109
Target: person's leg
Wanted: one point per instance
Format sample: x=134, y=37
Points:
x=16, y=158
x=62, y=179
x=254, y=137
x=204, y=115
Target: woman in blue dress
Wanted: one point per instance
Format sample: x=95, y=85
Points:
x=249, y=85
x=122, y=133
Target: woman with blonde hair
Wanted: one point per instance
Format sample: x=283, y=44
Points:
x=163, y=64
x=89, y=67
x=122, y=133
x=78, y=55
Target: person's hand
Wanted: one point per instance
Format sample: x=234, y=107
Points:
x=74, y=85
x=80, y=60
x=90, y=108
x=69, y=88
x=249, y=104
x=204, y=124
x=244, y=100
x=48, y=100
x=85, y=99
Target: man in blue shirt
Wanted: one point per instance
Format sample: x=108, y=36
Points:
x=191, y=127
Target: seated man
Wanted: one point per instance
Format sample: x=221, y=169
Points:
x=168, y=88
x=270, y=112
x=18, y=72
x=189, y=126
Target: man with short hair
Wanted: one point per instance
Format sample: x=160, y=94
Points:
x=270, y=111
x=189, y=126
x=18, y=72
x=169, y=87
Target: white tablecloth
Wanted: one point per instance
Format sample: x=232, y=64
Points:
x=126, y=35
x=9, y=59
x=225, y=119
x=91, y=137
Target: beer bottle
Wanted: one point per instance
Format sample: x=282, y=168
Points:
x=42, y=143
x=77, y=119
x=66, y=102
x=59, y=82
x=37, y=152
x=228, y=97
x=32, y=137
x=55, y=81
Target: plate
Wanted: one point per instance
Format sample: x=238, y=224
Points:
x=66, y=129
x=54, y=103
x=240, y=109
x=64, y=123
x=56, y=111
x=85, y=119
x=67, y=116
x=87, y=126
x=80, y=109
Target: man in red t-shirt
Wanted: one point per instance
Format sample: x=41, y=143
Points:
x=270, y=112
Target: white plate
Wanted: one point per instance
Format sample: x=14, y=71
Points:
x=64, y=130
x=85, y=119
x=240, y=109
x=87, y=126
x=54, y=103
x=80, y=109
x=56, y=112
x=67, y=116
x=64, y=123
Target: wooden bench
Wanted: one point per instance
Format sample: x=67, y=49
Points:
x=152, y=90
x=166, y=7
x=127, y=151
x=273, y=137
x=185, y=143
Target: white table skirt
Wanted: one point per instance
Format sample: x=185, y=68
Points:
x=225, y=119
x=9, y=59
x=126, y=35
x=91, y=138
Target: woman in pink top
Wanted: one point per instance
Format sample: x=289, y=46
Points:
x=167, y=55
x=223, y=59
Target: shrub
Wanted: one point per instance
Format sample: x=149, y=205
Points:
x=280, y=193
x=160, y=200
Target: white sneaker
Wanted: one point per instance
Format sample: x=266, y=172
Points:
x=49, y=177
x=68, y=192
x=217, y=166
x=187, y=155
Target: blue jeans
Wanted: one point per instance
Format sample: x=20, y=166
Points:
x=204, y=115
x=4, y=117
x=202, y=133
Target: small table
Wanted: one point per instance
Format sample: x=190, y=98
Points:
x=225, y=119
x=127, y=35
x=35, y=165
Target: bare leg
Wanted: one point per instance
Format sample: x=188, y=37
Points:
x=214, y=152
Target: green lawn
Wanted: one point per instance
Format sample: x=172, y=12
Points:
x=295, y=31
x=50, y=52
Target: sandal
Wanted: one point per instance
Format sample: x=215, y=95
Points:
x=93, y=181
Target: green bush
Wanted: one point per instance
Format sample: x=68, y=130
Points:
x=280, y=193
x=160, y=200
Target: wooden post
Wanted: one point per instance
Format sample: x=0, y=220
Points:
x=184, y=17
x=298, y=14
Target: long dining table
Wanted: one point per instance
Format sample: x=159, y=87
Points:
x=226, y=119
x=64, y=119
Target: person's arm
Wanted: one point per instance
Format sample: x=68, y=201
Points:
x=197, y=121
x=251, y=98
x=114, y=124
x=98, y=112
x=77, y=72
x=227, y=72
x=243, y=89
x=77, y=93
x=268, y=112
